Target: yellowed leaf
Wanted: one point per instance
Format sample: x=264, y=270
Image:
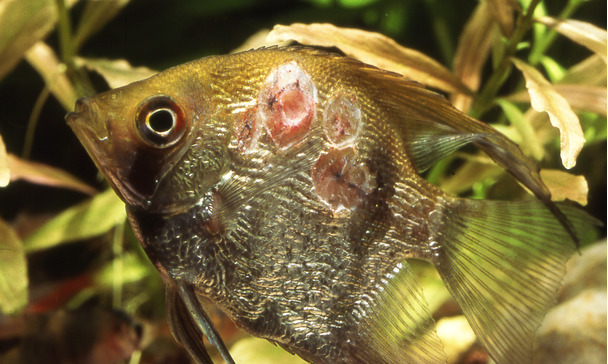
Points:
x=591, y=71
x=564, y=185
x=372, y=48
x=544, y=98
x=580, y=32
x=46, y=175
x=22, y=24
x=5, y=171
x=584, y=97
x=118, y=72
x=257, y=40
x=472, y=53
x=13, y=271
x=579, y=97
x=45, y=61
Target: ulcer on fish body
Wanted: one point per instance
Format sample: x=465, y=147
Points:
x=287, y=103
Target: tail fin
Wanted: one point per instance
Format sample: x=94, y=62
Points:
x=503, y=262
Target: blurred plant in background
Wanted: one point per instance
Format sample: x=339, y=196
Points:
x=527, y=67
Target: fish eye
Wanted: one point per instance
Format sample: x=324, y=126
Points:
x=160, y=121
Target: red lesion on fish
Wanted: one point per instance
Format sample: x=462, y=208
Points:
x=340, y=181
x=247, y=130
x=287, y=103
x=342, y=118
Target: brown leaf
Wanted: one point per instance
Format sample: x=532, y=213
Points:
x=502, y=11
x=544, y=98
x=564, y=185
x=5, y=171
x=118, y=72
x=372, y=48
x=45, y=61
x=472, y=52
x=46, y=175
x=580, y=32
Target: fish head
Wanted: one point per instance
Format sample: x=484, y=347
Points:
x=152, y=141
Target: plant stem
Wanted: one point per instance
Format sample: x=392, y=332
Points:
x=66, y=44
x=546, y=42
x=485, y=100
x=33, y=121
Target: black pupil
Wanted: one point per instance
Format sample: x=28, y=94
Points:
x=161, y=120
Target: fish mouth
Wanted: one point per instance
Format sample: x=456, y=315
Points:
x=93, y=134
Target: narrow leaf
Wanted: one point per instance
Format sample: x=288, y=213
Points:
x=46, y=175
x=94, y=16
x=517, y=118
x=5, y=171
x=13, y=271
x=472, y=52
x=583, y=33
x=118, y=72
x=88, y=219
x=564, y=185
x=502, y=12
x=591, y=71
x=372, y=48
x=544, y=98
x=43, y=59
x=584, y=97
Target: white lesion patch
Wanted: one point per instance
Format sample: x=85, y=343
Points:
x=340, y=180
x=342, y=119
x=287, y=103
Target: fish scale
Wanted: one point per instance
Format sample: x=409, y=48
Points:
x=286, y=191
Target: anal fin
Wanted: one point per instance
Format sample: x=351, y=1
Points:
x=395, y=325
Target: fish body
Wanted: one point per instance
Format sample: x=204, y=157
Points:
x=283, y=185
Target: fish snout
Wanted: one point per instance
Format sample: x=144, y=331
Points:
x=82, y=111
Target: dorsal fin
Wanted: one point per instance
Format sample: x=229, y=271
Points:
x=412, y=107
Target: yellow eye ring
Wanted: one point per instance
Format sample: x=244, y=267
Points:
x=160, y=121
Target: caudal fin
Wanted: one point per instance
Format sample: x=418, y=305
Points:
x=503, y=262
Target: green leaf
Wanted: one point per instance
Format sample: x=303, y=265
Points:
x=554, y=70
x=258, y=351
x=529, y=142
x=585, y=34
x=13, y=271
x=88, y=219
x=22, y=24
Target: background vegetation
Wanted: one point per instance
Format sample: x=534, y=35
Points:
x=64, y=241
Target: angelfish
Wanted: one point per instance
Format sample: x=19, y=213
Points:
x=283, y=185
